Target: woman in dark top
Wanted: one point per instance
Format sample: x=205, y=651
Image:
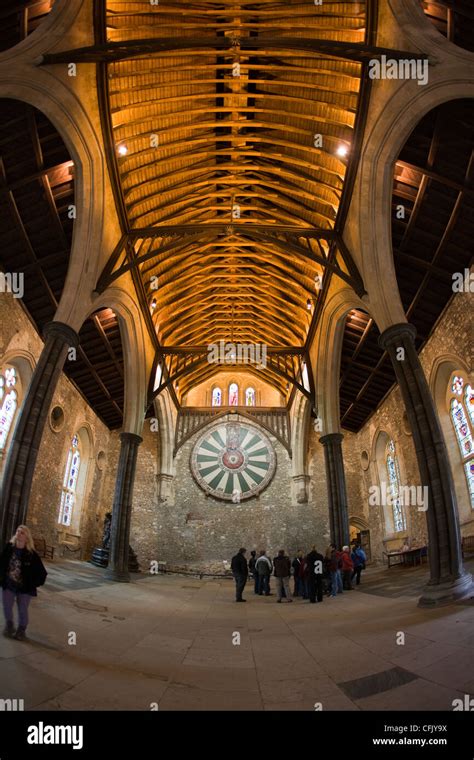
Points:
x=21, y=572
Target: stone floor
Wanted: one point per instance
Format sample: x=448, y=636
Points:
x=178, y=643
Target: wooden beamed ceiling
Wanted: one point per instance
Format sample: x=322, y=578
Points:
x=36, y=225
x=432, y=234
x=36, y=191
x=231, y=208
x=188, y=366
x=230, y=128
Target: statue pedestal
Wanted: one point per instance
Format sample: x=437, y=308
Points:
x=100, y=557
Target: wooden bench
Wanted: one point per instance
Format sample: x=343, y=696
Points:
x=467, y=544
x=43, y=549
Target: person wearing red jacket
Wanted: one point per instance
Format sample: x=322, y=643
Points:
x=347, y=568
x=333, y=562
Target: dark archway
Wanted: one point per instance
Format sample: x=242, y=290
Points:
x=20, y=18
x=432, y=232
x=454, y=19
x=36, y=206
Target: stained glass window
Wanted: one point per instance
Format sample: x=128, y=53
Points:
x=216, y=397
x=8, y=403
x=469, y=402
x=462, y=416
x=70, y=482
x=250, y=397
x=233, y=394
x=469, y=470
x=461, y=427
x=393, y=472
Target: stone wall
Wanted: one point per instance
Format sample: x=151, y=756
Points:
x=198, y=531
x=145, y=523
x=452, y=337
x=21, y=346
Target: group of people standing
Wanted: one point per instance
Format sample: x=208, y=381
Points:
x=314, y=574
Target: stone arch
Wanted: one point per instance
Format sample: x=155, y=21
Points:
x=418, y=28
x=327, y=359
x=443, y=368
x=378, y=457
x=43, y=90
x=86, y=439
x=395, y=113
x=359, y=525
x=59, y=20
x=166, y=424
x=137, y=354
x=300, y=428
x=23, y=364
x=83, y=431
x=359, y=522
x=24, y=361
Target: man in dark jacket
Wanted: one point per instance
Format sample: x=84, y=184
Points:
x=264, y=568
x=240, y=572
x=315, y=562
x=252, y=571
x=282, y=569
x=298, y=573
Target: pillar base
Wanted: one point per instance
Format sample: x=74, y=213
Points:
x=119, y=576
x=446, y=593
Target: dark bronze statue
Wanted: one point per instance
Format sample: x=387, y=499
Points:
x=100, y=556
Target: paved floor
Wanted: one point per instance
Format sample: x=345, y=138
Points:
x=178, y=643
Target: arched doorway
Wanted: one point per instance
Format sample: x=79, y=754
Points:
x=359, y=532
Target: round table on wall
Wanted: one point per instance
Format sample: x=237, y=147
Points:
x=233, y=460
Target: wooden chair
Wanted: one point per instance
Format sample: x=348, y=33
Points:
x=43, y=549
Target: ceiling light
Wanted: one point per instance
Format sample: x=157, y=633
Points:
x=342, y=151
x=308, y=304
x=122, y=150
x=153, y=305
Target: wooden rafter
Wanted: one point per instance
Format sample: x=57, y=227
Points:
x=118, y=51
x=234, y=209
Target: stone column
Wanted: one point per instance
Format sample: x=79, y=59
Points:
x=23, y=452
x=122, y=509
x=448, y=580
x=337, y=497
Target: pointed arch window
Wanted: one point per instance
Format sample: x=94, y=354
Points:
x=233, y=394
x=461, y=426
x=216, y=397
x=469, y=402
x=68, y=494
x=8, y=403
x=394, y=481
x=250, y=397
x=461, y=409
